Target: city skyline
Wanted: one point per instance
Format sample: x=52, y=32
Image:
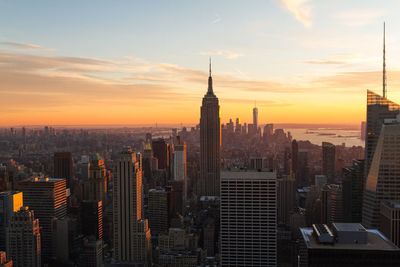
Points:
x=293, y=57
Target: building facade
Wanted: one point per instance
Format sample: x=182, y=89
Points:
x=248, y=227
x=47, y=198
x=383, y=180
x=23, y=239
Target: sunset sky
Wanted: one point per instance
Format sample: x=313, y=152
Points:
x=146, y=62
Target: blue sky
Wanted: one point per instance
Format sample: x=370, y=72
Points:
x=288, y=42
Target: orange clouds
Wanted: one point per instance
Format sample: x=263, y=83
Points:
x=69, y=90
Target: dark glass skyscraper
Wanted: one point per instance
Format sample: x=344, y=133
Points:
x=210, y=141
x=378, y=109
x=63, y=166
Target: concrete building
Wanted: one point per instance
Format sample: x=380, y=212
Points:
x=248, y=227
x=210, y=144
x=131, y=232
x=345, y=245
x=23, y=239
x=10, y=202
x=47, y=198
x=390, y=220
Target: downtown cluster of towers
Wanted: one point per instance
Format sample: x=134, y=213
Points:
x=251, y=203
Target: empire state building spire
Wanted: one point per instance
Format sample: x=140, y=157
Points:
x=210, y=142
x=210, y=85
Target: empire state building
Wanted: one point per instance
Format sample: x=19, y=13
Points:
x=210, y=142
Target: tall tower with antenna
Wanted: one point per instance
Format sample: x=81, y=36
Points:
x=384, y=63
x=210, y=141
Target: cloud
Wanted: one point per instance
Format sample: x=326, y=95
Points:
x=325, y=62
x=23, y=46
x=217, y=19
x=223, y=53
x=300, y=9
x=359, y=17
x=131, y=90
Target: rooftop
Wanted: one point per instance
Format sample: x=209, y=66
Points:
x=394, y=204
x=375, y=240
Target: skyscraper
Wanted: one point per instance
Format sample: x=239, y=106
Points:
x=158, y=208
x=379, y=108
x=160, y=151
x=47, y=197
x=255, y=118
x=248, y=219
x=92, y=218
x=383, y=180
x=23, y=239
x=127, y=204
x=180, y=162
x=210, y=141
x=353, y=186
x=95, y=188
x=63, y=166
x=389, y=223
x=10, y=202
x=295, y=158
x=328, y=160
x=286, y=199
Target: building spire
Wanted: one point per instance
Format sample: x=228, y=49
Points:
x=384, y=63
x=210, y=85
x=210, y=68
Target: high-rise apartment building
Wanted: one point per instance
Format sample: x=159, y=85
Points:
x=10, y=202
x=383, y=180
x=389, y=223
x=328, y=160
x=23, y=239
x=248, y=227
x=63, y=165
x=210, y=142
x=47, y=198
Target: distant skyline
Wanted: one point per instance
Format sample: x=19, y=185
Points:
x=130, y=62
